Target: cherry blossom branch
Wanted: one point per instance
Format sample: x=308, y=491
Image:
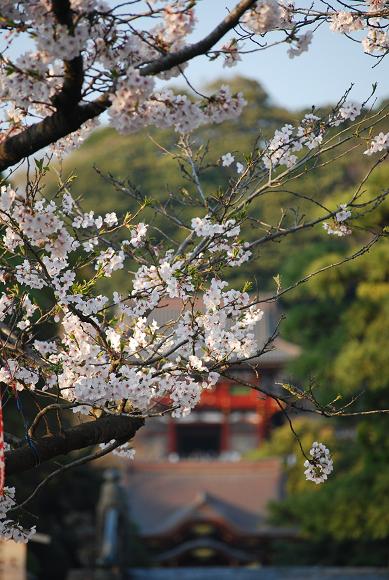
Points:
x=76, y=463
x=70, y=115
x=50, y=130
x=44, y=411
x=202, y=46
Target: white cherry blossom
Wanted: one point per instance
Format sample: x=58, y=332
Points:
x=320, y=466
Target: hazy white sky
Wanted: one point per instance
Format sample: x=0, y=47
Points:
x=317, y=77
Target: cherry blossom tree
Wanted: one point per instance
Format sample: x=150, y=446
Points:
x=107, y=358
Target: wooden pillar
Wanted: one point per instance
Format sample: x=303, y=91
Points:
x=225, y=434
x=261, y=420
x=225, y=408
x=266, y=416
x=171, y=437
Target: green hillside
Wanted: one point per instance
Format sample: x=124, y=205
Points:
x=138, y=157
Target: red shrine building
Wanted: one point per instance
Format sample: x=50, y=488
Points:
x=230, y=419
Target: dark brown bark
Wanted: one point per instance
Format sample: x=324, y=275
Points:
x=70, y=94
x=103, y=430
x=36, y=137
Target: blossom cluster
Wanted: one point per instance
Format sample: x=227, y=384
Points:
x=264, y=16
x=376, y=42
x=9, y=529
x=231, y=53
x=124, y=451
x=219, y=239
x=109, y=348
x=290, y=139
x=345, y=22
x=320, y=466
x=338, y=227
x=131, y=111
x=301, y=44
x=379, y=143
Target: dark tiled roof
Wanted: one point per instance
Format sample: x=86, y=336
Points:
x=206, y=507
x=162, y=496
x=220, y=547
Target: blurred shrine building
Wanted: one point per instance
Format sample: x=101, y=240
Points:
x=207, y=513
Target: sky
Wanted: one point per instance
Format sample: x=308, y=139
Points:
x=317, y=77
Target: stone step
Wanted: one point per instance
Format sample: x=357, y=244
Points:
x=268, y=573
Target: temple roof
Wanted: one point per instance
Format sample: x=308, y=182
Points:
x=165, y=496
x=241, y=556
x=206, y=507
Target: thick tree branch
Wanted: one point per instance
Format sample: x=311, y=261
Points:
x=203, y=46
x=42, y=134
x=103, y=430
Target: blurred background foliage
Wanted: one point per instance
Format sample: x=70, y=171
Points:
x=339, y=318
